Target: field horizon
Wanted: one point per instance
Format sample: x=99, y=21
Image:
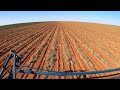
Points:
x=54, y=21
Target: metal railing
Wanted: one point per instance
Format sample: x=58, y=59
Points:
x=12, y=72
x=13, y=69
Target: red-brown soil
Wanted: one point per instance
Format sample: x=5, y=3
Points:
x=63, y=46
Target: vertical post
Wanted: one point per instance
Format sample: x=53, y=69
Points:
x=84, y=76
x=14, y=67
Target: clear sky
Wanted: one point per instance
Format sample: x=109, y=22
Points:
x=104, y=17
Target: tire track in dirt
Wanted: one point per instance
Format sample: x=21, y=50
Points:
x=74, y=64
x=50, y=57
x=85, y=67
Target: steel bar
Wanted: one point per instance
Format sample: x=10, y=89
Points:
x=67, y=73
x=5, y=64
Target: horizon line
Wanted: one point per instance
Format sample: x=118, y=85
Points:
x=59, y=21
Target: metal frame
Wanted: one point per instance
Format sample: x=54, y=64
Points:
x=66, y=73
x=14, y=66
x=5, y=64
x=16, y=63
x=12, y=54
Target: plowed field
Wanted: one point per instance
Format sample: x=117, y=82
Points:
x=63, y=46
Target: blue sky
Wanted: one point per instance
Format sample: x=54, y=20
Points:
x=104, y=17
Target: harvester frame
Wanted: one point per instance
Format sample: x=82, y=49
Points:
x=16, y=63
